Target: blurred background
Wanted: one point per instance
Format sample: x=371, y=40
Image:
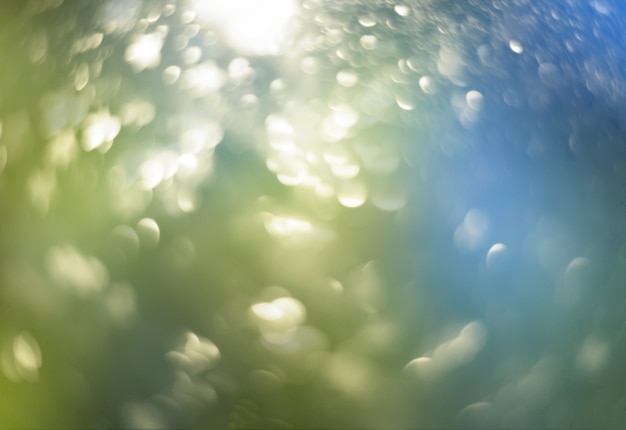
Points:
x=284, y=214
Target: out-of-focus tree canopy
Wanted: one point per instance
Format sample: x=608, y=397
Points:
x=312, y=214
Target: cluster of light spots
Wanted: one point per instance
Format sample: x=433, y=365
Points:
x=21, y=359
x=471, y=233
x=67, y=267
x=296, y=161
x=250, y=27
x=144, y=52
x=452, y=354
x=63, y=113
x=99, y=131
